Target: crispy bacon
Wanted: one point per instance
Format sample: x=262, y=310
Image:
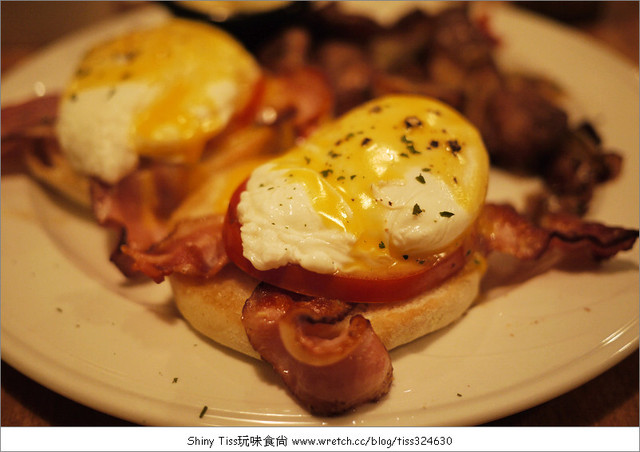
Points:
x=571, y=234
x=28, y=132
x=192, y=248
x=331, y=362
x=140, y=206
x=502, y=229
x=33, y=117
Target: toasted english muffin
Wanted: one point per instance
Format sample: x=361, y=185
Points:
x=214, y=307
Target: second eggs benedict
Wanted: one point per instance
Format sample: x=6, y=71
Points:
x=160, y=93
x=148, y=115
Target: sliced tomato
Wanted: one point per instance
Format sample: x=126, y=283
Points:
x=372, y=288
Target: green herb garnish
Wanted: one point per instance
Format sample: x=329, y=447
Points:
x=409, y=144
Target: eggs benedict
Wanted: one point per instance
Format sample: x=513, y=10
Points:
x=160, y=93
x=365, y=230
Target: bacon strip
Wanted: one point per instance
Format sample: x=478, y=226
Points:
x=330, y=362
x=140, y=206
x=34, y=117
x=193, y=248
x=28, y=132
x=570, y=233
x=501, y=228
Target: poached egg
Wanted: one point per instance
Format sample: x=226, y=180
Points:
x=388, y=185
x=160, y=93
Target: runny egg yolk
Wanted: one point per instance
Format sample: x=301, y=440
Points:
x=161, y=92
x=392, y=183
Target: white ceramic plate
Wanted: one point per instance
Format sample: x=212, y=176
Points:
x=72, y=323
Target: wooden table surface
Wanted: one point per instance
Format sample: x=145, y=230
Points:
x=611, y=399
